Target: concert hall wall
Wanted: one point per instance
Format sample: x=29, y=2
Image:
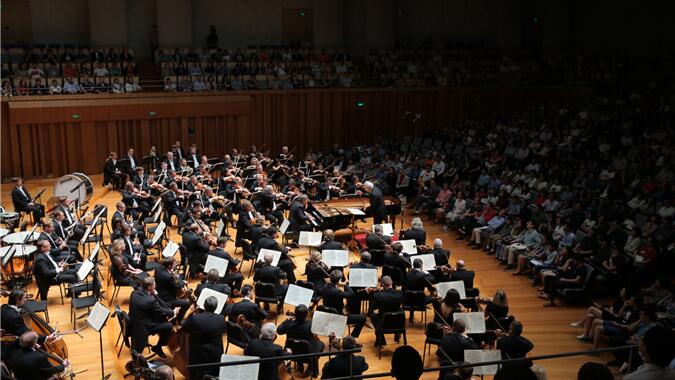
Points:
x=51, y=136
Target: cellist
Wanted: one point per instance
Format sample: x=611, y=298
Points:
x=206, y=331
x=30, y=363
x=11, y=319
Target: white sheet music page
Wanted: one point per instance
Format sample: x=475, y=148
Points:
x=309, y=239
x=284, y=226
x=276, y=255
x=238, y=372
x=481, y=356
x=428, y=261
x=206, y=293
x=475, y=322
x=387, y=229
x=362, y=278
x=84, y=270
x=409, y=246
x=98, y=316
x=443, y=287
x=335, y=257
x=326, y=323
x=170, y=249
x=217, y=263
x=297, y=295
x=159, y=231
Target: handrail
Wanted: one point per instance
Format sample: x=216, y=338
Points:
x=275, y=358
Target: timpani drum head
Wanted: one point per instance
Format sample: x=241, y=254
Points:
x=76, y=187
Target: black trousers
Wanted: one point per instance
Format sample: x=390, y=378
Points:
x=140, y=334
x=38, y=211
x=67, y=276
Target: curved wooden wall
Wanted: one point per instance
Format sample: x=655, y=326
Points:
x=50, y=136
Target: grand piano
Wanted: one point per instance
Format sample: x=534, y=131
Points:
x=341, y=213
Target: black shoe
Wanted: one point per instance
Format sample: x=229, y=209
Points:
x=158, y=350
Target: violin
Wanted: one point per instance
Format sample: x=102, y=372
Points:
x=248, y=325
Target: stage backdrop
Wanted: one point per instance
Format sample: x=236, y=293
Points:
x=50, y=136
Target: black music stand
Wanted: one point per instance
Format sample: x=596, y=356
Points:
x=97, y=319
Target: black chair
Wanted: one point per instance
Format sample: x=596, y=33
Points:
x=79, y=301
x=125, y=329
x=415, y=301
x=248, y=255
x=235, y=335
x=302, y=347
x=116, y=287
x=395, y=274
x=392, y=323
x=579, y=294
x=38, y=307
x=434, y=336
x=266, y=293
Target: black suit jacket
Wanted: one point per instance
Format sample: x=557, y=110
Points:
x=221, y=253
x=20, y=200
x=44, y=270
x=464, y=275
x=339, y=366
x=265, y=349
x=206, y=331
x=145, y=310
x=441, y=256
x=244, y=225
x=420, y=236
x=167, y=284
x=377, y=203
x=29, y=364
x=297, y=330
x=373, y=242
x=269, y=243
x=297, y=216
x=331, y=244
x=222, y=288
x=269, y=274
x=250, y=310
x=515, y=347
x=453, y=345
x=388, y=300
x=334, y=297
x=194, y=244
x=52, y=240
x=417, y=281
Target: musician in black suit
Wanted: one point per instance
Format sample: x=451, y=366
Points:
x=334, y=298
x=360, y=294
x=69, y=221
x=173, y=203
x=149, y=316
x=329, y=241
x=29, y=363
x=48, y=272
x=441, y=256
x=515, y=345
x=463, y=274
x=212, y=283
x=299, y=327
x=140, y=179
x=205, y=330
x=398, y=259
x=268, y=207
x=168, y=285
x=377, y=208
x=23, y=202
x=376, y=239
x=137, y=205
x=339, y=365
x=250, y=310
x=111, y=172
x=233, y=278
x=389, y=300
x=193, y=157
x=61, y=250
x=267, y=273
x=172, y=163
x=418, y=279
x=129, y=163
x=245, y=224
x=453, y=344
x=416, y=232
x=134, y=253
x=264, y=347
x=268, y=241
x=298, y=219
x=197, y=249
x=11, y=319
x=178, y=151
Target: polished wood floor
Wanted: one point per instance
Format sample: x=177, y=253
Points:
x=547, y=328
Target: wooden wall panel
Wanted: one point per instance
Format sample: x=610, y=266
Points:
x=42, y=138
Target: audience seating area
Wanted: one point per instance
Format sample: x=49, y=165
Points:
x=57, y=69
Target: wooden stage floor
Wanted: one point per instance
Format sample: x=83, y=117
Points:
x=547, y=328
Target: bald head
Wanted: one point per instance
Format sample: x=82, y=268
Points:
x=28, y=339
x=387, y=282
x=438, y=243
x=328, y=234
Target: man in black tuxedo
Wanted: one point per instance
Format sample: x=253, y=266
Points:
x=129, y=163
x=171, y=162
x=442, y=257
x=339, y=365
x=140, y=179
x=329, y=241
x=233, y=278
x=264, y=347
x=268, y=273
x=389, y=300
x=417, y=280
x=149, y=317
x=137, y=206
x=178, y=151
x=250, y=310
x=197, y=249
x=212, y=283
x=334, y=298
x=193, y=157
x=463, y=274
x=360, y=294
x=377, y=208
x=134, y=253
x=23, y=202
x=168, y=284
x=206, y=331
x=453, y=344
x=300, y=327
x=416, y=232
x=48, y=272
x=112, y=173
x=267, y=206
x=61, y=250
x=268, y=241
x=376, y=239
x=515, y=345
x=69, y=220
x=11, y=319
x=244, y=224
x=29, y=363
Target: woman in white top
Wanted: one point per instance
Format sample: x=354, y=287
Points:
x=55, y=87
x=458, y=209
x=131, y=86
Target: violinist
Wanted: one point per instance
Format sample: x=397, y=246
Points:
x=268, y=206
x=268, y=241
x=31, y=363
x=360, y=294
x=264, y=347
x=340, y=366
x=454, y=342
x=212, y=283
x=268, y=273
x=135, y=201
x=149, y=316
x=417, y=280
x=140, y=179
x=233, y=278
x=173, y=203
x=120, y=269
x=206, y=331
x=196, y=247
x=443, y=267
x=377, y=240
x=61, y=250
x=48, y=272
x=398, y=259
x=168, y=284
x=316, y=270
x=415, y=232
x=299, y=326
x=329, y=241
x=446, y=305
x=389, y=300
x=249, y=309
x=334, y=298
x=244, y=224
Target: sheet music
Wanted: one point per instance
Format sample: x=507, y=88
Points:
x=409, y=246
x=159, y=231
x=84, y=270
x=93, y=224
x=238, y=372
x=309, y=239
x=220, y=227
x=335, y=257
x=297, y=295
x=217, y=263
x=428, y=261
x=443, y=287
x=98, y=316
x=387, y=229
x=94, y=252
x=481, y=356
x=325, y=323
x=356, y=211
x=276, y=255
x=206, y=293
x=284, y=226
x=158, y=213
x=171, y=249
x=475, y=322
x=362, y=278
